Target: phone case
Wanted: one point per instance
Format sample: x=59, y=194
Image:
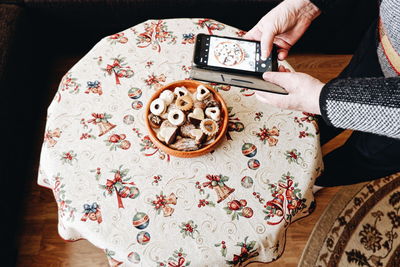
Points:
x=238, y=80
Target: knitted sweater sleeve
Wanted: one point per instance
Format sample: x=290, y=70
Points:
x=363, y=104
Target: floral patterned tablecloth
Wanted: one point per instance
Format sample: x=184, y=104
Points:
x=116, y=189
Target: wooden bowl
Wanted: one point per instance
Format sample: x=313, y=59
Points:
x=191, y=86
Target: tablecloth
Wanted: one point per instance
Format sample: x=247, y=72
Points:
x=116, y=189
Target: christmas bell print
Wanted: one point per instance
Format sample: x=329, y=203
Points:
x=217, y=182
x=101, y=119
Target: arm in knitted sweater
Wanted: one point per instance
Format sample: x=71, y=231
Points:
x=363, y=104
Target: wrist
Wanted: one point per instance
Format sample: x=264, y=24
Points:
x=305, y=8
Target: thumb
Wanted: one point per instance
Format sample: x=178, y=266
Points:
x=282, y=79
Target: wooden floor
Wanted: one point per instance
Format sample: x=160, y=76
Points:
x=40, y=244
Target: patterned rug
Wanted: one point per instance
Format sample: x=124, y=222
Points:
x=360, y=227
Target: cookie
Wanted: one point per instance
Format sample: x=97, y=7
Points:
x=158, y=106
x=169, y=134
x=198, y=136
x=186, y=128
x=199, y=104
x=184, y=103
x=176, y=117
x=213, y=113
x=168, y=96
x=209, y=127
x=185, y=144
x=155, y=121
x=196, y=116
x=181, y=91
x=202, y=93
x=212, y=103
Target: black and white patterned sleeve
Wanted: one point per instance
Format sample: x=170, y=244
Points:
x=363, y=104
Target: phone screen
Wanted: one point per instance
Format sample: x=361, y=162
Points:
x=234, y=54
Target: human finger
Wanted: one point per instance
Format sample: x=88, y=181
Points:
x=282, y=54
x=253, y=34
x=266, y=42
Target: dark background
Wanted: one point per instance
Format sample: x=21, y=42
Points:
x=35, y=33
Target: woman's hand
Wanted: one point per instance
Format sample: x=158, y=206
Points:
x=303, y=89
x=283, y=26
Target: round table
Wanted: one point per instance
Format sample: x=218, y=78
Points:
x=116, y=189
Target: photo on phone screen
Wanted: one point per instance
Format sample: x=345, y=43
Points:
x=232, y=55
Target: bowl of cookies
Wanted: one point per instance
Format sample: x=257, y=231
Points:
x=186, y=118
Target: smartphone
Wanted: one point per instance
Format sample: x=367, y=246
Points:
x=232, y=55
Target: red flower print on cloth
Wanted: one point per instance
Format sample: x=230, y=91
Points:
x=240, y=33
x=50, y=135
x=247, y=251
x=188, y=229
x=154, y=81
x=92, y=212
x=286, y=203
x=147, y=144
x=162, y=202
x=64, y=204
x=294, y=156
x=120, y=186
x=69, y=83
x=268, y=135
x=119, y=69
x=178, y=259
x=309, y=118
x=117, y=38
x=210, y=25
x=156, y=32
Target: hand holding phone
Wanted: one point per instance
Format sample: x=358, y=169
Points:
x=233, y=61
x=232, y=55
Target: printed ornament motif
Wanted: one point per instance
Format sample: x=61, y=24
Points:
x=249, y=150
x=162, y=202
x=140, y=220
x=268, y=135
x=247, y=182
x=143, y=238
x=101, y=120
x=92, y=212
x=134, y=257
x=237, y=208
x=210, y=25
x=120, y=186
x=94, y=87
x=119, y=68
x=50, y=137
x=286, y=203
x=115, y=141
x=178, y=259
x=247, y=251
x=217, y=182
x=156, y=32
x=253, y=164
x=117, y=38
